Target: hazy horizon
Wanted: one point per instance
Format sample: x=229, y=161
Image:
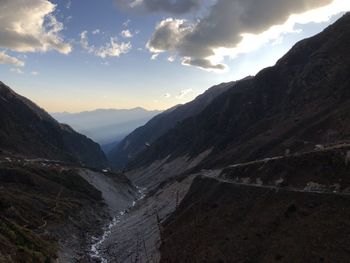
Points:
x=104, y=109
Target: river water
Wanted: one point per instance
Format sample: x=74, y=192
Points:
x=97, y=242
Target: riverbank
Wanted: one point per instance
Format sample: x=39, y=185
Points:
x=134, y=233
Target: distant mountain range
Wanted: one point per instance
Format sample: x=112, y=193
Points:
x=106, y=126
x=29, y=131
x=146, y=135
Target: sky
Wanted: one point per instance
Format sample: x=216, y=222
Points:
x=76, y=55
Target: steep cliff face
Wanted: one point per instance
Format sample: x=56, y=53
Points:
x=146, y=135
x=29, y=131
x=293, y=106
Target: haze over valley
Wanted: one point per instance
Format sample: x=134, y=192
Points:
x=107, y=127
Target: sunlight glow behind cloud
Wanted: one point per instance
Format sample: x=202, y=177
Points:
x=234, y=27
x=252, y=42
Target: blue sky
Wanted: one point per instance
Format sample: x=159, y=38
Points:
x=73, y=75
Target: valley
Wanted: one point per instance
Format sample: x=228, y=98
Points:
x=255, y=170
x=186, y=208
x=106, y=126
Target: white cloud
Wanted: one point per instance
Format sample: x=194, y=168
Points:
x=171, y=58
x=16, y=70
x=34, y=73
x=154, y=56
x=30, y=26
x=96, y=31
x=134, y=3
x=167, y=95
x=6, y=59
x=111, y=49
x=85, y=42
x=183, y=93
x=126, y=23
x=126, y=33
x=232, y=27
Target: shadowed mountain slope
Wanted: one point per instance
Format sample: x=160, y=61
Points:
x=293, y=106
x=29, y=131
x=136, y=142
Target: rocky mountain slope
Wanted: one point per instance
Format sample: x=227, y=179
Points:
x=106, y=126
x=301, y=102
x=48, y=211
x=29, y=131
x=214, y=196
x=256, y=174
x=53, y=208
x=285, y=209
x=259, y=175
x=138, y=140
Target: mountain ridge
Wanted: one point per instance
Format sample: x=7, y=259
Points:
x=30, y=131
x=106, y=125
x=293, y=106
x=138, y=140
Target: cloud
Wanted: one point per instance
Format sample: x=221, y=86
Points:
x=69, y=4
x=154, y=56
x=34, y=73
x=206, y=41
x=126, y=33
x=68, y=19
x=111, y=49
x=167, y=95
x=6, y=59
x=171, y=58
x=30, y=26
x=168, y=6
x=203, y=64
x=16, y=70
x=183, y=93
x=168, y=35
x=96, y=31
x=126, y=23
